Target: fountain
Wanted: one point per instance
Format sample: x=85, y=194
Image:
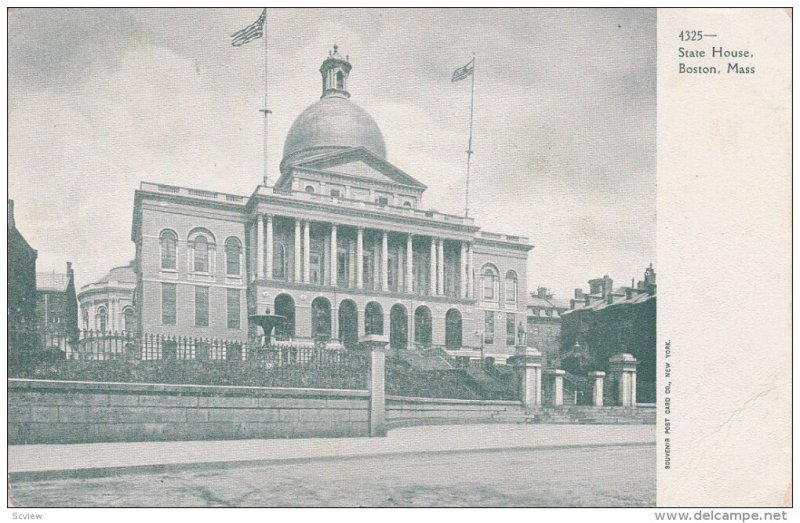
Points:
x=267, y=322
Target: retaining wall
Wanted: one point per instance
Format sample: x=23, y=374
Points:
x=42, y=411
x=405, y=411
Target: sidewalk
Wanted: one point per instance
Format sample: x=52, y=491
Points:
x=97, y=459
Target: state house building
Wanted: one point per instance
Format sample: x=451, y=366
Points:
x=341, y=246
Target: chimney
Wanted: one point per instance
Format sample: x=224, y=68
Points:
x=578, y=294
x=542, y=292
x=70, y=273
x=608, y=286
x=650, y=275
x=11, y=224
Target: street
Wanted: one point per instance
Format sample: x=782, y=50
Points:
x=616, y=475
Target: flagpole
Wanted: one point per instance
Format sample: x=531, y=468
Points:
x=265, y=110
x=469, y=146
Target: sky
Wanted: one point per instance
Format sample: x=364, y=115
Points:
x=564, y=120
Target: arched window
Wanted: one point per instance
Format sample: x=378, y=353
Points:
x=406, y=204
x=309, y=189
x=321, y=319
x=85, y=315
x=423, y=328
x=373, y=318
x=169, y=250
x=452, y=329
x=101, y=320
x=279, y=260
x=284, y=306
x=233, y=253
x=398, y=327
x=511, y=288
x=202, y=251
x=339, y=80
x=490, y=284
x=128, y=319
x=348, y=324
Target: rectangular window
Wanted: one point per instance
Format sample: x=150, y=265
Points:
x=382, y=200
x=336, y=193
x=392, y=271
x=488, y=328
x=510, y=329
x=367, y=272
x=234, y=308
x=168, y=303
x=315, y=268
x=342, y=268
x=201, y=306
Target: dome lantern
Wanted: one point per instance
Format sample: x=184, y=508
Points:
x=335, y=71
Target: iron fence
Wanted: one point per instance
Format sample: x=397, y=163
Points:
x=157, y=358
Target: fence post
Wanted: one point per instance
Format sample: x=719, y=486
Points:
x=530, y=360
x=623, y=368
x=558, y=386
x=597, y=389
x=376, y=345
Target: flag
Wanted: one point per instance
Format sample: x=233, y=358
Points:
x=252, y=32
x=463, y=72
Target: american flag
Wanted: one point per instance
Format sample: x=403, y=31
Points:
x=252, y=32
x=463, y=72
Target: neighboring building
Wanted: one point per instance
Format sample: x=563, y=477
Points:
x=340, y=245
x=56, y=303
x=606, y=322
x=544, y=324
x=107, y=305
x=21, y=285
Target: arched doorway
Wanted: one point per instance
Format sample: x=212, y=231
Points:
x=452, y=329
x=423, y=328
x=284, y=306
x=321, y=319
x=348, y=323
x=398, y=327
x=373, y=318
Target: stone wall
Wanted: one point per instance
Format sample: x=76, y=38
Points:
x=41, y=411
x=405, y=411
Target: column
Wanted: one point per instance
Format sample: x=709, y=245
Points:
x=470, y=271
x=260, y=247
x=306, y=251
x=433, y=266
x=597, y=389
x=385, y=262
x=334, y=250
x=531, y=364
x=463, y=278
x=558, y=386
x=440, y=271
x=376, y=345
x=410, y=264
x=298, y=263
x=360, y=258
x=270, y=246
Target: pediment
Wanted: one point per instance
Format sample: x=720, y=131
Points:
x=359, y=163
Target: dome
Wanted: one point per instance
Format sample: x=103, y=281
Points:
x=123, y=274
x=334, y=122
